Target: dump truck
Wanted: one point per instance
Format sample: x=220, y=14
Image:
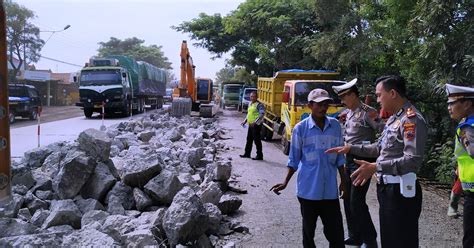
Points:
x=230, y=93
x=120, y=84
x=285, y=99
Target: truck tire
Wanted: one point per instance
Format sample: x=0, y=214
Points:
x=11, y=117
x=88, y=112
x=285, y=144
x=266, y=134
x=126, y=110
x=34, y=114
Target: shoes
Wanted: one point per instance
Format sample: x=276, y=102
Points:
x=352, y=242
x=257, y=158
x=244, y=156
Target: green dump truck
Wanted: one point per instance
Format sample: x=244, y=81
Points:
x=120, y=84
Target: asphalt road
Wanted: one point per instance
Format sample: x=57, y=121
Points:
x=275, y=221
x=50, y=114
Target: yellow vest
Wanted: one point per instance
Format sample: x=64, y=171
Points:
x=465, y=162
x=252, y=113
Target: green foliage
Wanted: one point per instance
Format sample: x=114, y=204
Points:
x=134, y=48
x=440, y=165
x=23, y=39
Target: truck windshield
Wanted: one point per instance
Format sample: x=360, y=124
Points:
x=302, y=90
x=232, y=89
x=101, y=77
x=17, y=91
x=247, y=93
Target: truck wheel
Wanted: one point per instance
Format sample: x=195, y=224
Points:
x=11, y=117
x=88, y=112
x=285, y=144
x=266, y=134
x=33, y=114
x=126, y=110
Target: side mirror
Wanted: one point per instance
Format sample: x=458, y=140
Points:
x=124, y=75
x=285, y=97
x=74, y=79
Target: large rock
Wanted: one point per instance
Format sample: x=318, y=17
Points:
x=215, y=217
x=127, y=140
x=95, y=143
x=99, y=183
x=15, y=227
x=11, y=208
x=229, y=204
x=142, y=200
x=117, y=226
x=210, y=193
x=63, y=212
x=86, y=205
x=163, y=187
x=39, y=217
x=223, y=170
x=33, y=240
x=123, y=195
x=89, y=238
x=33, y=203
x=186, y=219
x=34, y=158
x=93, y=216
x=75, y=171
x=140, y=238
x=146, y=136
x=138, y=170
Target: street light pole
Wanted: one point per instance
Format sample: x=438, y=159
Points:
x=48, y=83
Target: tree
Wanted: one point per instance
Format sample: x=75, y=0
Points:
x=134, y=48
x=262, y=36
x=23, y=40
x=225, y=74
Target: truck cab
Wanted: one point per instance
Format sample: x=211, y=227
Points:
x=294, y=107
x=230, y=95
x=104, y=82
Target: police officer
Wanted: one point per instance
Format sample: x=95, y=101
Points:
x=361, y=125
x=400, y=155
x=461, y=108
x=254, y=119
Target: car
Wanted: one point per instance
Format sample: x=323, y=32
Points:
x=23, y=101
x=169, y=95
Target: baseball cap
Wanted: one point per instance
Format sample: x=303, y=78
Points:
x=318, y=95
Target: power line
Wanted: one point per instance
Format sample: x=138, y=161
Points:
x=60, y=61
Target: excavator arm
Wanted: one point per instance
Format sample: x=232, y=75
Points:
x=187, y=83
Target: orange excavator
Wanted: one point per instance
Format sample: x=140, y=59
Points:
x=192, y=94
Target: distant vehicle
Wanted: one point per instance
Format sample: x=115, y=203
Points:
x=169, y=95
x=230, y=94
x=24, y=101
x=121, y=84
x=245, y=98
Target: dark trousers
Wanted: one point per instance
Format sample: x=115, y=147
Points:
x=253, y=135
x=330, y=213
x=468, y=220
x=359, y=223
x=398, y=216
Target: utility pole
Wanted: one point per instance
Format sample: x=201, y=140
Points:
x=5, y=156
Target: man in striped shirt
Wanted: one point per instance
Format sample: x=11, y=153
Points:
x=317, y=188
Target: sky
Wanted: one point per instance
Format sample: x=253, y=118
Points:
x=93, y=21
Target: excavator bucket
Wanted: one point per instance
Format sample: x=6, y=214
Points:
x=181, y=106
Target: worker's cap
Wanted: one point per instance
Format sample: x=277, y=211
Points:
x=455, y=92
x=345, y=88
x=318, y=95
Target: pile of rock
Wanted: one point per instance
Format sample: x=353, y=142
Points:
x=158, y=181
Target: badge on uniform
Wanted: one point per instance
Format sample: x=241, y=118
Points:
x=410, y=112
x=409, y=130
x=396, y=124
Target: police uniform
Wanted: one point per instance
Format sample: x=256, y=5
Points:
x=360, y=127
x=400, y=155
x=255, y=114
x=464, y=153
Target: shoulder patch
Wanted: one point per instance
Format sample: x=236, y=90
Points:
x=409, y=130
x=411, y=113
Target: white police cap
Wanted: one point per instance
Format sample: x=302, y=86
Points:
x=456, y=92
x=343, y=89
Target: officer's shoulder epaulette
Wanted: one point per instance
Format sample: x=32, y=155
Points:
x=365, y=107
x=410, y=112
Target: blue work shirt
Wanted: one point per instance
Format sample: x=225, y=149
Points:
x=317, y=171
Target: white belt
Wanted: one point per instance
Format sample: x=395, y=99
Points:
x=388, y=179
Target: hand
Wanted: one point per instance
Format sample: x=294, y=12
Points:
x=343, y=194
x=278, y=187
x=363, y=173
x=243, y=123
x=340, y=149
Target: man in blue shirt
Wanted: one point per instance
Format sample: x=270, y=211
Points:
x=317, y=189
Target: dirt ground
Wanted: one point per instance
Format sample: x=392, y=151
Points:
x=275, y=221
